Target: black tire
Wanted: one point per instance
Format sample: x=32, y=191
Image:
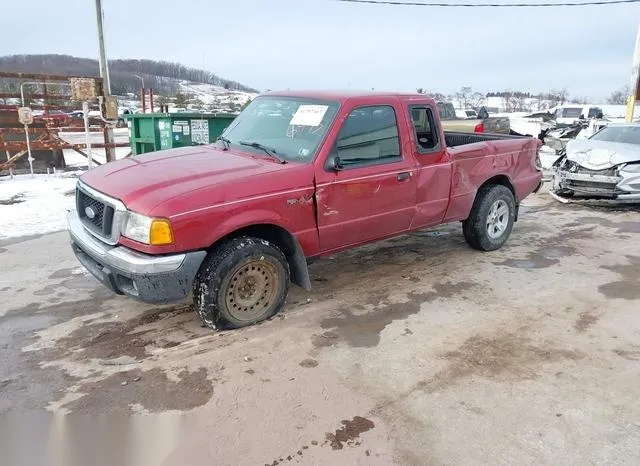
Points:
x=476, y=228
x=246, y=265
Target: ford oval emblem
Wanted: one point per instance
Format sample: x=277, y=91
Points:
x=91, y=214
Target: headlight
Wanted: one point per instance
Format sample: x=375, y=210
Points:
x=631, y=168
x=148, y=230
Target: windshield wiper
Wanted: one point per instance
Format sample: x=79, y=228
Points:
x=225, y=142
x=268, y=150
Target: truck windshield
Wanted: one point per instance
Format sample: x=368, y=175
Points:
x=292, y=126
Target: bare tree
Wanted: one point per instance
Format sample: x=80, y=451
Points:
x=436, y=95
x=579, y=100
x=181, y=100
x=464, y=96
x=619, y=97
x=477, y=100
x=197, y=103
x=557, y=96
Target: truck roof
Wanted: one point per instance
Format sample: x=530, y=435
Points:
x=342, y=96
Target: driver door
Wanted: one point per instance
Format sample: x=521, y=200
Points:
x=366, y=189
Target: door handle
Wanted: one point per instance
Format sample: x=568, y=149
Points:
x=404, y=176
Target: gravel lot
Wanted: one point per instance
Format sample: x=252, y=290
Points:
x=416, y=350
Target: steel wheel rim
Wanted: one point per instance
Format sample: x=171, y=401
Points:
x=498, y=219
x=252, y=290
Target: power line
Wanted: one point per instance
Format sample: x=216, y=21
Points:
x=491, y=5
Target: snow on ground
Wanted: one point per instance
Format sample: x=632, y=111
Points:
x=38, y=205
x=74, y=159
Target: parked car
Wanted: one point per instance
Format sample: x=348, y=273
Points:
x=467, y=114
x=236, y=221
x=569, y=114
x=489, y=124
x=52, y=117
x=603, y=166
x=76, y=115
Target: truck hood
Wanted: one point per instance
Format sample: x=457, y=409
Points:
x=600, y=155
x=146, y=182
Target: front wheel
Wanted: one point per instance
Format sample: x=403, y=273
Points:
x=491, y=219
x=243, y=281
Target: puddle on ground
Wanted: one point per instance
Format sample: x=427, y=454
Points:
x=65, y=273
x=347, y=435
x=363, y=330
x=622, y=227
x=351, y=431
x=630, y=355
x=105, y=340
x=629, y=287
x=24, y=384
x=152, y=390
x=549, y=252
x=17, y=199
x=502, y=357
x=603, y=206
x=308, y=363
x=73, y=282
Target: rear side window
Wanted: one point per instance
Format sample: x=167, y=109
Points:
x=369, y=136
x=425, y=129
x=570, y=112
x=594, y=112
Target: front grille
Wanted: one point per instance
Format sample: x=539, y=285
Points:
x=590, y=186
x=94, y=214
x=573, y=167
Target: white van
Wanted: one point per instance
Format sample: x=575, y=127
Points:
x=568, y=114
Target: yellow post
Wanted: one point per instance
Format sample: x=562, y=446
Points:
x=635, y=75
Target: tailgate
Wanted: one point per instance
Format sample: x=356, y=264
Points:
x=497, y=125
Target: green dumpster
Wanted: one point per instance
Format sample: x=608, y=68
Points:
x=150, y=132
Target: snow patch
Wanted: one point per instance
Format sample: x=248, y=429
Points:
x=38, y=205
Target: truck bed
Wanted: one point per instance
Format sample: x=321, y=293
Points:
x=455, y=139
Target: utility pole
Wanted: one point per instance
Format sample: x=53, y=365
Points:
x=106, y=83
x=635, y=80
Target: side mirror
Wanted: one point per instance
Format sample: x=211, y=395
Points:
x=337, y=164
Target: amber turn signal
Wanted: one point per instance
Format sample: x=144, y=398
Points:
x=160, y=232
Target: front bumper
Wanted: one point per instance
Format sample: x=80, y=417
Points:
x=611, y=184
x=152, y=279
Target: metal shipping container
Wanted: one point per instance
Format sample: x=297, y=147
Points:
x=150, y=132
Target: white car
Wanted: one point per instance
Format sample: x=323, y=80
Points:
x=467, y=114
x=605, y=165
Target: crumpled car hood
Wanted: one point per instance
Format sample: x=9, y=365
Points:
x=600, y=155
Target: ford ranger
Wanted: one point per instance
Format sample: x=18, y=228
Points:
x=297, y=175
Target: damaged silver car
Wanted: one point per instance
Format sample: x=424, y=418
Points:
x=604, y=166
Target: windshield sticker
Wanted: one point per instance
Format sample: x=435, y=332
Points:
x=309, y=115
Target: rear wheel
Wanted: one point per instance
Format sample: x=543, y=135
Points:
x=491, y=219
x=243, y=281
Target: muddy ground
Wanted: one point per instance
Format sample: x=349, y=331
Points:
x=417, y=350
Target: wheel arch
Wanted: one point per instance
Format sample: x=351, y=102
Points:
x=502, y=180
x=282, y=239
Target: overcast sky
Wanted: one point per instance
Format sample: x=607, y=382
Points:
x=325, y=44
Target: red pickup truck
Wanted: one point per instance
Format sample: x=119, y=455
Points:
x=296, y=175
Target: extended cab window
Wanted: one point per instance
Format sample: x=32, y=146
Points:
x=369, y=135
x=425, y=128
